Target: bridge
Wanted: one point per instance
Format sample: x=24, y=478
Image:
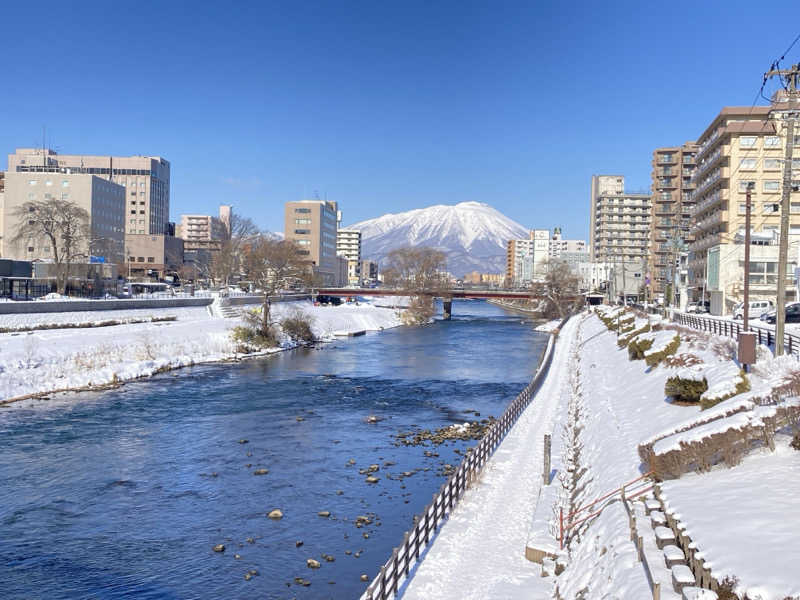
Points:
x=447, y=295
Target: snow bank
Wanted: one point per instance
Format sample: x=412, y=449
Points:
x=744, y=520
x=549, y=326
x=64, y=359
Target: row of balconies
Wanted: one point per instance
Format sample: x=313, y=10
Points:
x=715, y=218
x=710, y=201
x=708, y=142
x=707, y=163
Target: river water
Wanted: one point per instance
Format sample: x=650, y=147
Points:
x=123, y=494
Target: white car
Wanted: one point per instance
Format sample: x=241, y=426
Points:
x=757, y=308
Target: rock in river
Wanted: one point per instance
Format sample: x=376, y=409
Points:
x=312, y=564
x=219, y=548
x=275, y=514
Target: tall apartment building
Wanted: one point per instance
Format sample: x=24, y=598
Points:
x=2, y=201
x=103, y=200
x=526, y=260
x=312, y=225
x=204, y=232
x=348, y=246
x=673, y=204
x=741, y=146
x=619, y=230
x=145, y=179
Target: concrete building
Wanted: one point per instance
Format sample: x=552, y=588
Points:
x=619, y=228
x=740, y=147
x=146, y=180
x=152, y=256
x=485, y=279
x=204, y=232
x=103, y=200
x=369, y=272
x=348, y=246
x=526, y=260
x=312, y=225
x=558, y=244
x=2, y=202
x=671, y=188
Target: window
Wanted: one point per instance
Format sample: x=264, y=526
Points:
x=772, y=185
x=772, y=164
x=141, y=259
x=30, y=248
x=302, y=221
x=771, y=208
x=743, y=185
x=747, y=164
x=48, y=183
x=302, y=210
x=65, y=183
x=46, y=249
x=151, y=259
x=772, y=141
x=763, y=273
x=304, y=242
x=131, y=259
x=794, y=208
x=302, y=231
x=303, y=252
x=742, y=208
x=141, y=212
x=32, y=182
x=747, y=141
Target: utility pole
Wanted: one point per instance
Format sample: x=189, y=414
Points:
x=790, y=78
x=746, y=314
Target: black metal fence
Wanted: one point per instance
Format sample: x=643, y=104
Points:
x=732, y=329
x=386, y=583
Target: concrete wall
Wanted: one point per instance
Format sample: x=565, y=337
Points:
x=30, y=307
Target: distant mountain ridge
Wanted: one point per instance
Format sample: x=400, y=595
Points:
x=472, y=234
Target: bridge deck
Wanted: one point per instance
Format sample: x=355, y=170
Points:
x=452, y=293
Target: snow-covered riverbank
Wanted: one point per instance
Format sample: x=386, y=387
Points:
x=47, y=361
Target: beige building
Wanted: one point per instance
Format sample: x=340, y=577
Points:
x=204, y=232
x=369, y=271
x=619, y=228
x=671, y=188
x=103, y=200
x=741, y=146
x=348, y=246
x=146, y=180
x=152, y=255
x=2, y=202
x=558, y=245
x=312, y=225
x=526, y=260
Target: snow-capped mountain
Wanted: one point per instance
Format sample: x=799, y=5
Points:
x=473, y=235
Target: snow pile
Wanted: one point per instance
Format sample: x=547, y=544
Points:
x=63, y=359
x=744, y=520
x=548, y=327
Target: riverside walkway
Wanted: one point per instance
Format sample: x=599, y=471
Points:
x=480, y=550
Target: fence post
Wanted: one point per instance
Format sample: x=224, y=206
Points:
x=546, y=473
x=561, y=526
x=657, y=590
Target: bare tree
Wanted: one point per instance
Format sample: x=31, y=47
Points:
x=419, y=272
x=227, y=260
x=272, y=265
x=62, y=225
x=561, y=289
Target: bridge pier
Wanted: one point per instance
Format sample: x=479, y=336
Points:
x=447, y=308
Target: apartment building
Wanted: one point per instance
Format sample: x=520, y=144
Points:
x=619, y=230
x=672, y=207
x=152, y=256
x=146, y=180
x=369, y=271
x=526, y=260
x=348, y=246
x=103, y=200
x=741, y=147
x=559, y=245
x=204, y=232
x=312, y=225
x=2, y=201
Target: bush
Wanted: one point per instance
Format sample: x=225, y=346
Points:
x=298, y=328
x=625, y=339
x=637, y=347
x=253, y=335
x=742, y=386
x=420, y=311
x=653, y=359
x=685, y=390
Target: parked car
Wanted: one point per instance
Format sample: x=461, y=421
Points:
x=757, y=308
x=792, y=314
x=698, y=307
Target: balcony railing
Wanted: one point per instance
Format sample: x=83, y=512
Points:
x=702, y=167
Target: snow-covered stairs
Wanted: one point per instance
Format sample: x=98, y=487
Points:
x=660, y=545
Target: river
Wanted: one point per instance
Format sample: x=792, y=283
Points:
x=124, y=493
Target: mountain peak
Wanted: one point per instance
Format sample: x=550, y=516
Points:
x=472, y=234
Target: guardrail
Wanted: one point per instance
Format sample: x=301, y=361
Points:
x=732, y=329
x=386, y=583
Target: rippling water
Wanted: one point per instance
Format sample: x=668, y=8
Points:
x=123, y=494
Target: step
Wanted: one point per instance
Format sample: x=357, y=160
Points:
x=682, y=577
x=692, y=592
x=664, y=537
x=658, y=519
x=651, y=505
x=673, y=556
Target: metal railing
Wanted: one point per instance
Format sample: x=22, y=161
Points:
x=387, y=582
x=732, y=329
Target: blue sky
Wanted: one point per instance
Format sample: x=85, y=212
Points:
x=383, y=107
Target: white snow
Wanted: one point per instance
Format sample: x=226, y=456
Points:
x=745, y=519
x=61, y=359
